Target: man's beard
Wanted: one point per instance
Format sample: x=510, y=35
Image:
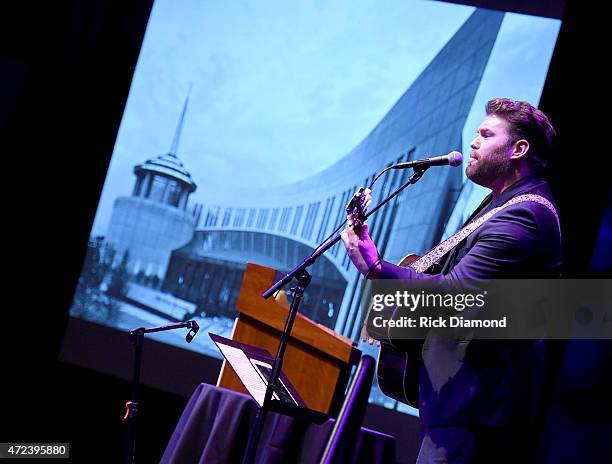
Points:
x=487, y=170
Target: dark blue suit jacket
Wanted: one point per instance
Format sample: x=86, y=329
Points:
x=474, y=383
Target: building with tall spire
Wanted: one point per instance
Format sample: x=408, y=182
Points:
x=156, y=218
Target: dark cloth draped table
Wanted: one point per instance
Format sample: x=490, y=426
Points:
x=215, y=425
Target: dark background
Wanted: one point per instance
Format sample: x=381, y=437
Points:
x=66, y=69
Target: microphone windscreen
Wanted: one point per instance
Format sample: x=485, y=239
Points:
x=455, y=158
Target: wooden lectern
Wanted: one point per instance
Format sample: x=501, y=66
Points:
x=317, y=361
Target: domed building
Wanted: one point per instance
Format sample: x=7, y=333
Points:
x=156, y=218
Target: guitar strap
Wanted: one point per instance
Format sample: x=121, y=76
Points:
x=434, y=255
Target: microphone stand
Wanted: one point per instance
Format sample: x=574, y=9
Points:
x=303, y=278
x=136, y=336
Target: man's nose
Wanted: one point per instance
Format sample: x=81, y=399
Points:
x=475, y=144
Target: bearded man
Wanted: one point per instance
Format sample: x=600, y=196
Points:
x=478, y=399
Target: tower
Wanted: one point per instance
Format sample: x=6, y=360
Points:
x=155, y=219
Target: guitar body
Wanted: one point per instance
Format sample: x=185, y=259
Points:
x=397, y=371
x=399, y=363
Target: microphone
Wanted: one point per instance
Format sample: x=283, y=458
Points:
x=454, y=158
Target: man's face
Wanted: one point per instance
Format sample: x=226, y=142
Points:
x=490, y=157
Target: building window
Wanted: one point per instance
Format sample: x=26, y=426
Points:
x=173, y=193
x=251, y=217
x=296, y=219
x=239, y=217
x=158, y=188
x=207, y=219
x=214, y=217
x=226, y=217
x=273, y=219
x=262, y=218
x=138, y=186
x=284, y=221
x=329, y=206
x=311, y=215
x=342, y=215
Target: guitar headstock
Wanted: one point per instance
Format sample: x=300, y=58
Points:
x=356, y=209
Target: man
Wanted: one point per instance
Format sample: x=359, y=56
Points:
x=477, y=399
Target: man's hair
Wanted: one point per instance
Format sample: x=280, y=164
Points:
x=529, y=123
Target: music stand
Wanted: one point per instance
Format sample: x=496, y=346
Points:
x=253, y=367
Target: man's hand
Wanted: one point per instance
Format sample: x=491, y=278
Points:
x=360, y=248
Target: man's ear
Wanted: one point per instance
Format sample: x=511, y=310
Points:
x=520, y=149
